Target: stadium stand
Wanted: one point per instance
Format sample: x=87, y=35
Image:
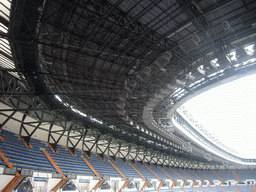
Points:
x=159, y=172
x=226, y=175
x=14, y=149
x=198, y=175
x=143, y=170
x=21, y=156
x=209, y=175
x=69, y=163
x=102, y=166
x=191, y=175
x=181, y=174
x=125, y=169
x=170, y=172
x=244, y=174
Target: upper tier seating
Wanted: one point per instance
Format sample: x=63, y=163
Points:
x=170, y=172
x=24, y=157
x=191, y=175
x=181, y=174
x=244, y=174
x=69, y=163
x=159, y=172
x=210, y=175
x=126, y=169
x=226, y=175
x=104, y=168
x=144, y=171
x=198, y=175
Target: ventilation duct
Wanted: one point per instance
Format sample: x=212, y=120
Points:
x=190, y=44
x=122, y=98
x=121, y=112
x=166, y=124
x=120, y=104
x=249, y=18
x=162, y=61
x=142, y=76
x=219, y=31
x=144, y=73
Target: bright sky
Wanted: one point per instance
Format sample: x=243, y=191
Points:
x=228, y=112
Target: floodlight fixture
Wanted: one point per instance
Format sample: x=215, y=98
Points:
x=180, y=82
x=201, y=70
x=242, y=55
x=190, y=76
x=214, y=63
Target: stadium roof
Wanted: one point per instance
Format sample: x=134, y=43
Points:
x=113, y=69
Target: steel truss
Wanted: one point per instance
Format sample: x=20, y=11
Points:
x=90, y=53
x=74, y=133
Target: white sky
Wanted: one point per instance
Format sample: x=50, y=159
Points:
x=228, y=112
